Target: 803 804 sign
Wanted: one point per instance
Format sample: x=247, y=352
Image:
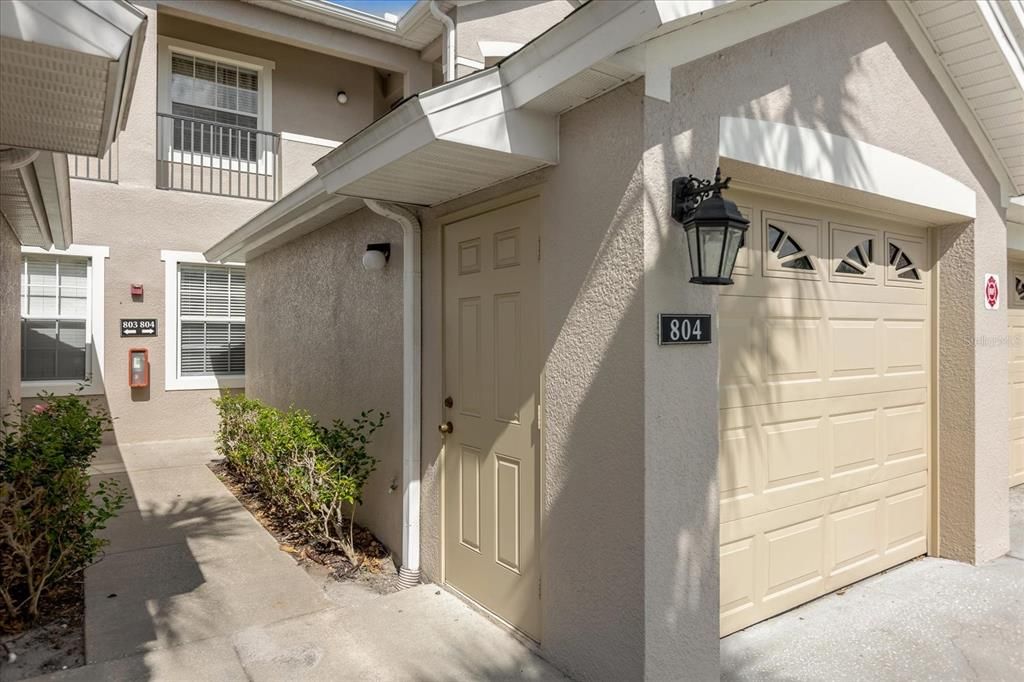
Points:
x=676, y=329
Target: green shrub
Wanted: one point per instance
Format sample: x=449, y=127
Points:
x=49, y=518
x=307, y=473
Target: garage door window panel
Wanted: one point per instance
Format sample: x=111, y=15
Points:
x=791, y=246
x=854, y=251
x=904, y=258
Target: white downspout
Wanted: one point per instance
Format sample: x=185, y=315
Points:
x=409, y=573
x=448, y=61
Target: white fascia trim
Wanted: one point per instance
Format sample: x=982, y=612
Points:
x=469, y=63
x=299, y=206
x=55, y=190
x=595, y=32
x=838, y=160
x=919, y=37
x=97, y=256
x=309, y=139
x=498, y=48
x=173, y=382
x=474, y=111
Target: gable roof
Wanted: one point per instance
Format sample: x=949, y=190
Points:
x=502, y=122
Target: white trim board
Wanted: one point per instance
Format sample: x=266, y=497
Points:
x=836, y=160
x=95, y=326
x=309, y=139
x=173, y=382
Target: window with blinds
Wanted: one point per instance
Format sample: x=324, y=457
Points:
x=211, y=320
x=221, y=103
x=54, y=318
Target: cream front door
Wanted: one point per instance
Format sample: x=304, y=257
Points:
x=825, y=405
x=1014, y=296
x=492, y=379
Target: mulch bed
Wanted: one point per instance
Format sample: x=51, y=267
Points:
x=377, y=570
x=56, y=642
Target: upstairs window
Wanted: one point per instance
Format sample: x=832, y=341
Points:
x=218, y=104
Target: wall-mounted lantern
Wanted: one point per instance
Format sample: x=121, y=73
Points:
x=713, y=225
x=376, y=256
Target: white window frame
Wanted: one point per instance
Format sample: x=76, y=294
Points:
x=264, y=116
x=94, y=325
x=173, y=381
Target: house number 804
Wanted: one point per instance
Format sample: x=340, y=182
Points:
x=676, y=329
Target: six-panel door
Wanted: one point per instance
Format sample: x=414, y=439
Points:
x=492, y=377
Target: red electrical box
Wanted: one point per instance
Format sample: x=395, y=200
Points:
x=136, y=290
x=138, y=367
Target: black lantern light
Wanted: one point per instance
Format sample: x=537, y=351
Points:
x=714, y=227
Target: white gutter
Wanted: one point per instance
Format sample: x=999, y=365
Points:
x=448, y=64
x=409, y=573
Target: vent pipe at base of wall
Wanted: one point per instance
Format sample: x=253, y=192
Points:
x=409, y=573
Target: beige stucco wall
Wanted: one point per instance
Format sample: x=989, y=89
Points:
x=325, y=335
x=517, y=21
x=10, y=318
x=591, y=346
x=137, y=221
x=305, y=83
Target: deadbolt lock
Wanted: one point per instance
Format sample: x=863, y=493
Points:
x=448, y=402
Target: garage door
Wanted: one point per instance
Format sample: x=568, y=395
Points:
x=825, y=418
x=1015, y=313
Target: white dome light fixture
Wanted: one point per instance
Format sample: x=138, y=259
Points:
x=376, y=256
x=342, y=97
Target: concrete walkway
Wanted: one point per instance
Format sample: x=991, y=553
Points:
x=193, y=588
x=930, y=619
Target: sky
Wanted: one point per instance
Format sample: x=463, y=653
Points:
x=377, y=7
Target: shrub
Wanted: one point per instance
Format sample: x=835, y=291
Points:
x=307, y=473
x=49, y=517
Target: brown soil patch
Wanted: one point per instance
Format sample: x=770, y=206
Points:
x=377, y=570
x=56, y=642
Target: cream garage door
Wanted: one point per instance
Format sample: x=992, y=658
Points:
x=1015, y=315
x=825, y=420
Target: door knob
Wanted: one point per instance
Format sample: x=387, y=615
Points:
x=446, y=427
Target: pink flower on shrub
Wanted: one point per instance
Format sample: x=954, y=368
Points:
x=41, y=408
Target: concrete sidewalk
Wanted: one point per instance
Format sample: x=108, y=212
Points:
x=929, y=619
x=194, y=588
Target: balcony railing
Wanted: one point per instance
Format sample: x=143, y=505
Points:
x=213, y=158
x=103, y=169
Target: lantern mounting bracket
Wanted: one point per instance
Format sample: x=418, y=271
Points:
x=688, y=192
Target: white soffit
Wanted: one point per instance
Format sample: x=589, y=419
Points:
x=977, y=44
x=867, y=172
x=35, y=199
x=67, y=72
x=448, y=141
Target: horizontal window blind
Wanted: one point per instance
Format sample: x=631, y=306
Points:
x=54, y=317
x=211, y=311
x=220, y=99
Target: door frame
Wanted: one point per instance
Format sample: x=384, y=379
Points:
x=534, y=192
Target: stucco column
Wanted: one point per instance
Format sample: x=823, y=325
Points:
x=972, y=394
x=681, y=565
x=137, y=143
